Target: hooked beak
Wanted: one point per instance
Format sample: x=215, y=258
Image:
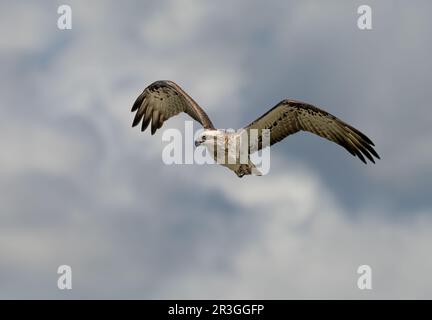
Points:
x=197, y=143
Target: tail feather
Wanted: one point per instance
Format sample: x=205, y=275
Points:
x=247, y=169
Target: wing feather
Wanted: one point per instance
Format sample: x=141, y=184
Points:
x=162, y=100
x=290, y=116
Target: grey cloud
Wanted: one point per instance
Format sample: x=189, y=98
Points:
x=80, y=187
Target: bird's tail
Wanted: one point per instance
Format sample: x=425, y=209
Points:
x=254, y=169
x=247, y=169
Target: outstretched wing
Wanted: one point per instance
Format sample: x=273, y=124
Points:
x=162, y=100
x=290, y=116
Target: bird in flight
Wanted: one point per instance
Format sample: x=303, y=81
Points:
x=164, y=99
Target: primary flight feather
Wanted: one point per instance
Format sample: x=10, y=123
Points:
x=164, y=99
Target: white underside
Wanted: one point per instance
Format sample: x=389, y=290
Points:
x=229, y=152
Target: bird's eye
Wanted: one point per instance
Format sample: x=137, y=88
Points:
x=204, y=138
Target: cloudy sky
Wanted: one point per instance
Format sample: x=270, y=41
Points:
x=79, y=186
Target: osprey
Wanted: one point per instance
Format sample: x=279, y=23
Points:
x=164, y=99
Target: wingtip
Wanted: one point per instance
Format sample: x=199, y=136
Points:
x=373, y=160
x=136, y=122
x=375, y=154
x=138, y=101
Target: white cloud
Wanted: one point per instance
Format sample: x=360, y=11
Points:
x=174, y=23
x=24, y=28
x=80, y=185
x=38, y=148
x=307, y=247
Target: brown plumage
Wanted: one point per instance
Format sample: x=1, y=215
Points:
x=290, y=116
x=164, y=99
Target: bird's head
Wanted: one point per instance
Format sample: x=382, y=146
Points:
x=208, y=137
